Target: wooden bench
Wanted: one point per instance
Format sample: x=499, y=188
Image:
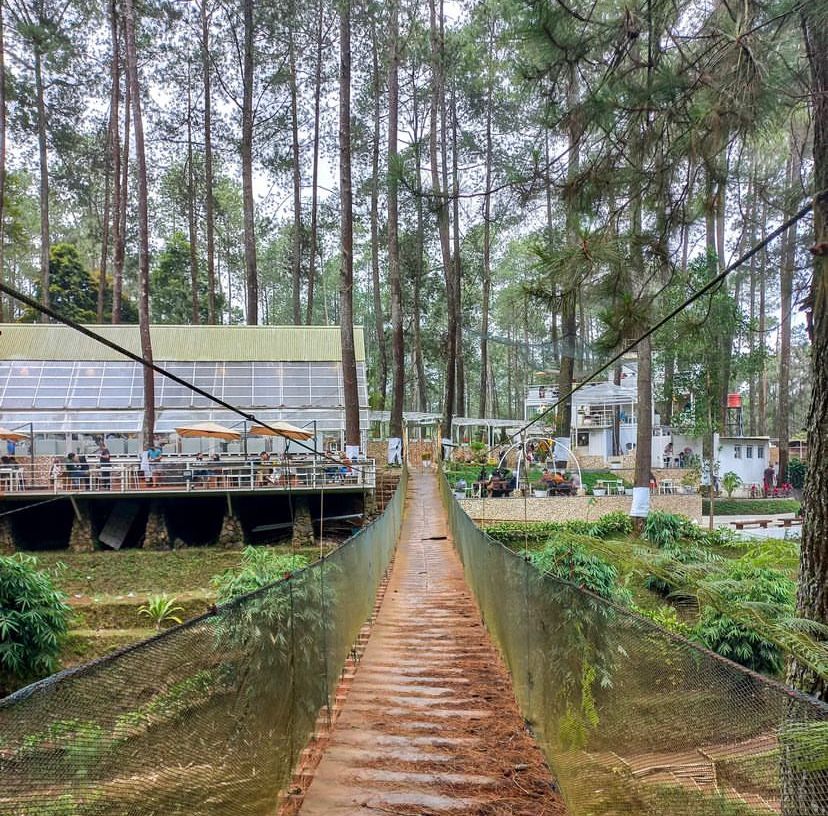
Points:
x=763, y=523
x=789, y=522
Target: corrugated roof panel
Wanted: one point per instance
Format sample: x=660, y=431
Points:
x=21, y=341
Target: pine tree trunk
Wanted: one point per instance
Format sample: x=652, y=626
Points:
x=812, y=598
x=379, y=317
x=419, y=241
x=441, y=206
x=191, y=209
x=105, y=224
x=317, y=93
x=143, y=223
x=44, y=179
x=346, y=275
x=803, y=791
x=457, y=265
x=2, y=155
x=569, y=306
x=486, y=283
x=209, y=196
x=296, y=253
x=752, y=337
x=120, y=236
x=394, y=278
x=113, y=161
x=250, y=273
x=762, y=402
x=786, y=275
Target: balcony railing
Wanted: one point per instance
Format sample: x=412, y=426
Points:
x=189, y=475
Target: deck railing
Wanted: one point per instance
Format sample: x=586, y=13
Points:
x=189, y=474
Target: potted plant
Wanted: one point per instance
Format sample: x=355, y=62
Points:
x=599, y=491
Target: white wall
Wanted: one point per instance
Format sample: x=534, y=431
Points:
x=750, y=470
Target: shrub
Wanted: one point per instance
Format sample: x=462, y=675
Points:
x=797, y=471
x=567, y=557
x=612, y=524
x=730, y=481
x=33, y=621
x=737, y=642
x=665, y=530
x=732, y=591
x=258, y=568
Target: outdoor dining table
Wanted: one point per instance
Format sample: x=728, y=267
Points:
x=614, y=487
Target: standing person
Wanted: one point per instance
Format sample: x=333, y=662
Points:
x=105, y=462
x=768, y=478
x=146, y=466
x=155, y=453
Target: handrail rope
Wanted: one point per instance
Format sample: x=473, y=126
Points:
x=681, y=640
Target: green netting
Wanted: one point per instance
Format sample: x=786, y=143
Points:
x=635, y=720
x=206, y=719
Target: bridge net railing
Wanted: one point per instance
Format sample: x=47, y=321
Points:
x=207, y=719
x=635, y=720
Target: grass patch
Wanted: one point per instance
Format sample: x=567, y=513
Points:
x=143, y=572
x=750, y=507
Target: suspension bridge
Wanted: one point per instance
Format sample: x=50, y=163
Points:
x=421, y=668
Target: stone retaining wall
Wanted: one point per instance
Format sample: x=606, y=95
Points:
x=564, y=508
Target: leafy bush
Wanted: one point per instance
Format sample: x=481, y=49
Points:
x=567, y=557
x=665, y=530
x=612, y=525
x=258, y=568
x=33, y=621
x=730, y=481
x=797, y=471
x=161, y=609
x=737, y=642
x=741, y=587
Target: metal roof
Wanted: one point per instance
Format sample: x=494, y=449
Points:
x=35, y=341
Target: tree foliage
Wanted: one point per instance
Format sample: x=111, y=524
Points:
x=33, y=621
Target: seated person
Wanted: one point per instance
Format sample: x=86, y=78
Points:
x=263, y=468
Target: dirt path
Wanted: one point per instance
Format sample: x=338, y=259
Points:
x=430, y=725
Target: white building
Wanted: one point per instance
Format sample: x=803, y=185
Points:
x=746, y=456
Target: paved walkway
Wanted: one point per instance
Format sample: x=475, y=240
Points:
x=430, y=725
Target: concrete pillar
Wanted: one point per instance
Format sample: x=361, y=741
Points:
x=231, y=536
x=370, y=509
x=156, y=537
x=302, y=523
x=7, y=544
x=82, y=537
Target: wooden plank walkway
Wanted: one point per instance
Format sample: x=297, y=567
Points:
x=430, y=725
